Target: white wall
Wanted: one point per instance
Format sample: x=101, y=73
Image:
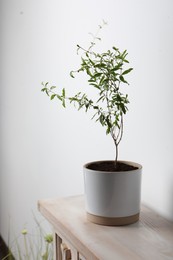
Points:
x=43, y=146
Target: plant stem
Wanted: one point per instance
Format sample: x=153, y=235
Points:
x=116, y=153
x=120, y=134
x=26, y=247
x=7, y=256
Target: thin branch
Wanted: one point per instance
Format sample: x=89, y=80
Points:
x=95, y=37
x=121, y=131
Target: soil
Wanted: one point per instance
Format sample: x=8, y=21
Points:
x=110, y=166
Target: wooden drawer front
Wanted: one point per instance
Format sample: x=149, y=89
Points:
x=64, y=250
x=69, y=252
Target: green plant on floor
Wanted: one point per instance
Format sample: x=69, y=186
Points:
x=106, y=72
x=29, y=246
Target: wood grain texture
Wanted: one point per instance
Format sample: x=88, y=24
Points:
x=150, y=238
x=121, y=221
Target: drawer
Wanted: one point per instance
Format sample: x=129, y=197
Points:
x=66, y=252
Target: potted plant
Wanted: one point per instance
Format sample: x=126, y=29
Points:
x=112, y=188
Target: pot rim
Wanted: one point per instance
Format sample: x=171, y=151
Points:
x=139, y=166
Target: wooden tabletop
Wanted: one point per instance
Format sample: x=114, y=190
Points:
x=151, y=238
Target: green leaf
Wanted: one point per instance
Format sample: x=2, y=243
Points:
x=63, y=102
x=53, y=87
x=83, y=62
x=124, y=54
x=71, y=74
x=102, y=79
x=100, y=65
x=122, y=79
x=102, y=119
x=97, y=75
x=52, y=96
x=115, y=49
x=63, y=92
x=127, y=71
x=95, y=85
x=80, y=106
x=117, y=67
x=105, y=81
x=59, y=97
x=101, y=98
x=47, y=92
x=107, y=130
x=91, y=80
x=123, y=108
x=94, y=116
x=88, y=72
x=92, y=62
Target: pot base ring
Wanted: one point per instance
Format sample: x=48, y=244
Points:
x=113, y=221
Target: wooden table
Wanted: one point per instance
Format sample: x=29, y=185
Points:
x=75, y=238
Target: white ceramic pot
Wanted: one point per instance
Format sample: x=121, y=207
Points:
x=113, y=198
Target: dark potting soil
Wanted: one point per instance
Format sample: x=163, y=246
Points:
x=110, y=166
